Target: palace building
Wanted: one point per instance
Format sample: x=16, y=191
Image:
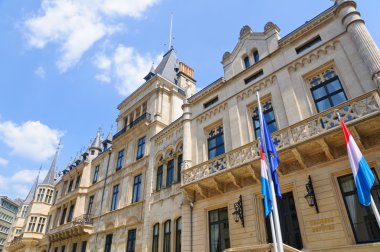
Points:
x=182, y=172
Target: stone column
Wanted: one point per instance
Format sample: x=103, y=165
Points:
x=361, y=37
x=187, y=143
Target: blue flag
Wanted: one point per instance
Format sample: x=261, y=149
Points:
x=272, y=156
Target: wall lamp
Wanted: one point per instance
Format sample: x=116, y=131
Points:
x=310, y=195
x=239, y=213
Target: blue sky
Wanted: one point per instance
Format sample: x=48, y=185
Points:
x=66, y=65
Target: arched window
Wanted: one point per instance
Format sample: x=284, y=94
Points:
x=159, y=178
x=246, y=62
x=178, y=231
x=167, y=233
x=169, y=173
x=256, y=56
x=156, y=231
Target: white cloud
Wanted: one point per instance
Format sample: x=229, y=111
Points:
x=127, y=66
x=76, y=25
x=3, y=161
x=32, y=139
x=40, y=72
x=19, y=184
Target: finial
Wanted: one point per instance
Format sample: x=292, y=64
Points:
x=171, y=31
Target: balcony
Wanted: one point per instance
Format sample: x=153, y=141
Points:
x=146, y=116
x=80, y=225
x=302, y=145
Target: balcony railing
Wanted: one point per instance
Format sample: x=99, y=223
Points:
x=144, y=116
x=353, y=110
x=85, y=219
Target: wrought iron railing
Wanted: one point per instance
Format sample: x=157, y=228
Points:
x=85, y=219
x=145, y=116
x=363, y=106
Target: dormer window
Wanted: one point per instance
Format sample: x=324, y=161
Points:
x=256, y=56
x=246, y=62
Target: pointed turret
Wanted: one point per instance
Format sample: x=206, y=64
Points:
x=168, y=66
x=50, y=176
x=107, y=143
x=32, y=191
x=97, y=143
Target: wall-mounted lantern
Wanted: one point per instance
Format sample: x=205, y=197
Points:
x=239, y=213
x=310, y=196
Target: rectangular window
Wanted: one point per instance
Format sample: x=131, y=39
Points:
x=84, y=246
x=114, y=197
x=327, y=90
x=219, y=230
x=136, y=189
x=246, y=62
x=254, y=76
x=32, y=223
x=131, y=240
x=25, y=210
x=120, y=157
x=178, y=231
x=56, y=249
x=108, y=245
x=49, y=196
x=70, y=185
x=71, y=213
x=63, y=216
x=74, y=248
x=362, y=219
x=41, y=225
x=140, y=148
x=90, y=203
x=156, y=235
x=215, y=142
x=96, y=174
x=256, y=56
x=170, y=173
x=179, y=168
x=210, y=102
x=308, y=44
x=56, y=218
x=77, y=182
x=268, y=116
x=55, y=197
x=159, y=177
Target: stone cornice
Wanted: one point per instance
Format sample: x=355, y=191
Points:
x=207, y=90
x=308, y=26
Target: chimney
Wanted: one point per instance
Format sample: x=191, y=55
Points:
x=185, y=77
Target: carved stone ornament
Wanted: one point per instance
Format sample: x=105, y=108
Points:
x=269, y=26
x=226, y=55
x=245, y=31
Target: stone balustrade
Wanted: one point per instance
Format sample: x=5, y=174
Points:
x=354, y=110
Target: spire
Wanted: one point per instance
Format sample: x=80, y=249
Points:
x=168, y=66
x=107, y=143
x=50, y=176
x=97, y=143
x=32, y=191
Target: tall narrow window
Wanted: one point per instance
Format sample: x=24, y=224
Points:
x=167, y=233
x=140, y=148
x=178, y=231
x=55, y=197
x=96, y=174
x=159, y=178
x=362, y=219
x=25, y=210
x=169, y=173
x=90, y=203
x=120, y=157
x=256, y=56
x=179, y=168
x=327, y=90
x=49, y=196
x=41, y=225
x=63, y=216
x=156, y=235
x=70, y=186
x=84, y=246
x=74, y=248
x=246, y=62
x=136, y=189
x=114, y=197
x=269, y=118
x=40, y=194
x=108, y=244
x=219, y=230
x=77, y=182
x=215, y=142
x=63, y=248
x=71, y=213
x=32, y=223
x=131, y=240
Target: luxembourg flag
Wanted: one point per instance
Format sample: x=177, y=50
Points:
x=363, y=176
x=265, y=190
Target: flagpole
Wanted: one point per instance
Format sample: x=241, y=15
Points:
x=274, y=239
x=274, y=199
x=373, y=205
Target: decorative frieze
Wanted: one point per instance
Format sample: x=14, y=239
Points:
x=256, y=87
x=212, y=112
